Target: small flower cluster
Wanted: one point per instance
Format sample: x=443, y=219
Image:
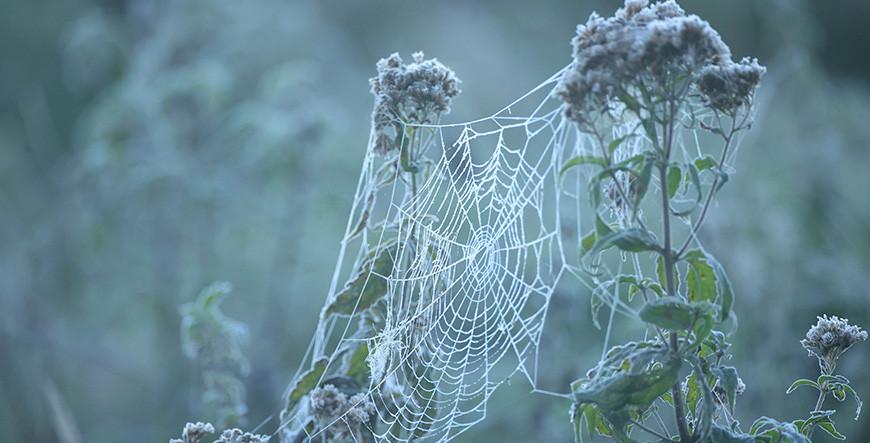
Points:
x=829, y=338
x=417, y=92
x=330, y=405
x=644, y=44
x=729, y=85
x=238, y=436
x=194, y=432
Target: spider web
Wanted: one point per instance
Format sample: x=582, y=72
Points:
x=477, y=252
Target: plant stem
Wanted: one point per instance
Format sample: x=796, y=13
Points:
x=667, y=254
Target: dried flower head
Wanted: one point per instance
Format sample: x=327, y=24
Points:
x=416, y=92
x=644, y=46
x=361, y=409
x=341, y=418
x=238, y=436
x=194, y=432
x=327, y=403
x=730, y=85
x=829, y=338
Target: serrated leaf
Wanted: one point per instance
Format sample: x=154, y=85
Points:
x=367, y=287
x=629, y=240
x=701, y=281
x=669, y=312
x=725, y=298
x=615, y=392
x=304, y=384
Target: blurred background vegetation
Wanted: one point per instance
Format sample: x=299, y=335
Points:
x=148, y=148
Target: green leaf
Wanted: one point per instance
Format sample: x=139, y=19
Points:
x=703, y=322
x=584, y=419
x=304, y=384
x=611, y=148
x=828, y=426
x=357, y=367
x=615, y=392
x=729, y=381
x=588, y=241
x=669, y=312
x=582, y=160
x=367, y=287
x=775, y=431
x=630, y=102
x=835, y=379
x=601, y=227
x=704, y=163
x=675, y=175
x=693, y=392
x=725, y=298
x=801, y=382
x=630, y=240
x=642, y=180
x=704, y=416
x=649, y=127
x=701, y=281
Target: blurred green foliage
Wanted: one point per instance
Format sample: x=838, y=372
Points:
x=148, y=148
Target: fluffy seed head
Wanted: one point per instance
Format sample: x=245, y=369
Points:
x=327, y=403
x=238, y=436
x=730, y=85
x=649, y=44
x=194, y=432
x=417, y=92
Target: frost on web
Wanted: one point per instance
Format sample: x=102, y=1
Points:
x=443, y=280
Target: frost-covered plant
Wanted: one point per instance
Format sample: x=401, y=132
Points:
x=417, y=92
x=328, y=401
x=196, y=433
x=644, y=84
x=215, y=343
